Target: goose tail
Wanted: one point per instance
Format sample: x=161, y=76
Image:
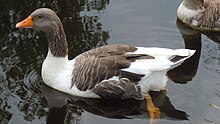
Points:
x=181, y=55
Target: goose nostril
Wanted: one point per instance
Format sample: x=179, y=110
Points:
x=26, y=23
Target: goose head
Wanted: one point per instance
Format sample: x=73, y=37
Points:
x=47, y=21
x=42, y=19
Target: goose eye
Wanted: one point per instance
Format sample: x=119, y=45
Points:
x=39, y=17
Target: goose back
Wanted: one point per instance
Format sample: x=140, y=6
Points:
x=211, y=16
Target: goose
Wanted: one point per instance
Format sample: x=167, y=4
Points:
x=112, y=71
x=200, y=14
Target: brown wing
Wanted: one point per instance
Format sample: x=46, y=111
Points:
x=122, y=88
x=102, y=63
x=211, y=16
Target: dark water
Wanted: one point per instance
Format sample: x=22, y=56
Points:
x=92, y=23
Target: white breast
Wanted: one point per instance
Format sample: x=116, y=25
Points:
x=57, y=73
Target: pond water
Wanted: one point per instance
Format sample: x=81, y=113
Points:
x=193, y=94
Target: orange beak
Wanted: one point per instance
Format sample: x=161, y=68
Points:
x=26, y=23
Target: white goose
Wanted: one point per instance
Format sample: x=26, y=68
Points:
x=111, y=71
x=200, y=14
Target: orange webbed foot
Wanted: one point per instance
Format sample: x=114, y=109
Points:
x=154, y=112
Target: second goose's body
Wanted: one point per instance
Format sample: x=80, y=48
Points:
x=201, y=14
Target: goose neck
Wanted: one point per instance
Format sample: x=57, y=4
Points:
x=57, y=42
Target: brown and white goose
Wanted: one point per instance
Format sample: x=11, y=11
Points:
x=111, y=71
x=200, y=14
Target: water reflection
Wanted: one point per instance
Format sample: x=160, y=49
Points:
x=192, y=40
x=59, y=103
x=185, y=72
x=212, y=59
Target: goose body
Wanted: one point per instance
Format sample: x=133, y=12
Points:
x=200, y=14
x=111, y=71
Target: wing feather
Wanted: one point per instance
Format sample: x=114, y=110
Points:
x=96, y=65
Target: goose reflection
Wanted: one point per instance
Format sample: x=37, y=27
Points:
x=214, y=36
x=59, y=103
x=192, y=40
